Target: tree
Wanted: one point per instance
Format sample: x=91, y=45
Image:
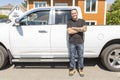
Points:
x=113, y=18
x=113, y=15
x=24, y=4
x=115, y=6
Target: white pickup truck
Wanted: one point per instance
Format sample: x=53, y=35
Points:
x=40, y=35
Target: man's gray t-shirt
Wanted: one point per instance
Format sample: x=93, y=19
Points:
x=77, y=38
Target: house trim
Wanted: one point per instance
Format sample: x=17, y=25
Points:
x=51, y=1
x=73, y=2
x=27, y=4
x=105, y=12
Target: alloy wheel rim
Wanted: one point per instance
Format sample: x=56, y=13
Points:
x=114, y=58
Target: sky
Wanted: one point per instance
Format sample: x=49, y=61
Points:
x=110, y=1
x=14, y=2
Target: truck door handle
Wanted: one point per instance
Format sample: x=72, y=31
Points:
x=42, y=31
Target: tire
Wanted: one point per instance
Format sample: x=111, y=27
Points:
x=3, y=57
x=110, y=57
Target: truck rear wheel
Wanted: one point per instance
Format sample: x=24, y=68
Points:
x=111, y=57
x=3, y=57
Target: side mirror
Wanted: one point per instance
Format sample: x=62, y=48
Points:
x=17, y=22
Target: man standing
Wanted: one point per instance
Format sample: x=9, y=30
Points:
x=75, y=29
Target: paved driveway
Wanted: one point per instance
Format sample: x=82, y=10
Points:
x=57, y=71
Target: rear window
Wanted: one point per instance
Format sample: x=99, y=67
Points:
x=61, y=16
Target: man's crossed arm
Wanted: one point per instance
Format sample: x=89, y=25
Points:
x=73, y=30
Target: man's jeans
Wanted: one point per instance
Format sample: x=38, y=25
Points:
x=76, y=48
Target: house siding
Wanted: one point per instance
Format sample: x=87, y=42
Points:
x=63, y=1
x=98, y=17
x=31, y=2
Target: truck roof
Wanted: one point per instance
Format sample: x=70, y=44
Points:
x=56, y=7
x=60, y=7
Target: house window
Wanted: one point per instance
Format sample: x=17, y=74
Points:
x=91, y=6
x=61, y=4
x=91, y=22
x=38, y=4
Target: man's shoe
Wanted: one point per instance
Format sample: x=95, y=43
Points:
x=72, y=72
x=81, y=73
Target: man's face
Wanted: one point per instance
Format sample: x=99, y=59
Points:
x=74, y=14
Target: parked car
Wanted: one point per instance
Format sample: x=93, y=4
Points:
x=40, y=35
x=3, y=20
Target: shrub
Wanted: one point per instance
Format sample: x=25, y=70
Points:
x=3, y=17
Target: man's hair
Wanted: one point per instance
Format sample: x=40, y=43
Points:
x=74, y=9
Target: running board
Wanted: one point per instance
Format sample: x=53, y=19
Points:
x=40, y=60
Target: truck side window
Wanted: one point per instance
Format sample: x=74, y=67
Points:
x=61, y=16
x=36, y=18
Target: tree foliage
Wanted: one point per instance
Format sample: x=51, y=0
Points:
x=113, y=15
x=113, y=18
x=115, y=6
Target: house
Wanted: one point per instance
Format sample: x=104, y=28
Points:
x=93, y=11
x=16, y=11
x=5, y=9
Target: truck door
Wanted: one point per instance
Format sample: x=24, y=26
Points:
x=32, y=37
x=59, y=36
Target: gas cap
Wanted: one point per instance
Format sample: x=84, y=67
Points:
x=100, y=36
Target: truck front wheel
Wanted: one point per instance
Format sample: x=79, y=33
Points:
x=3, y=57
x=111, y=57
